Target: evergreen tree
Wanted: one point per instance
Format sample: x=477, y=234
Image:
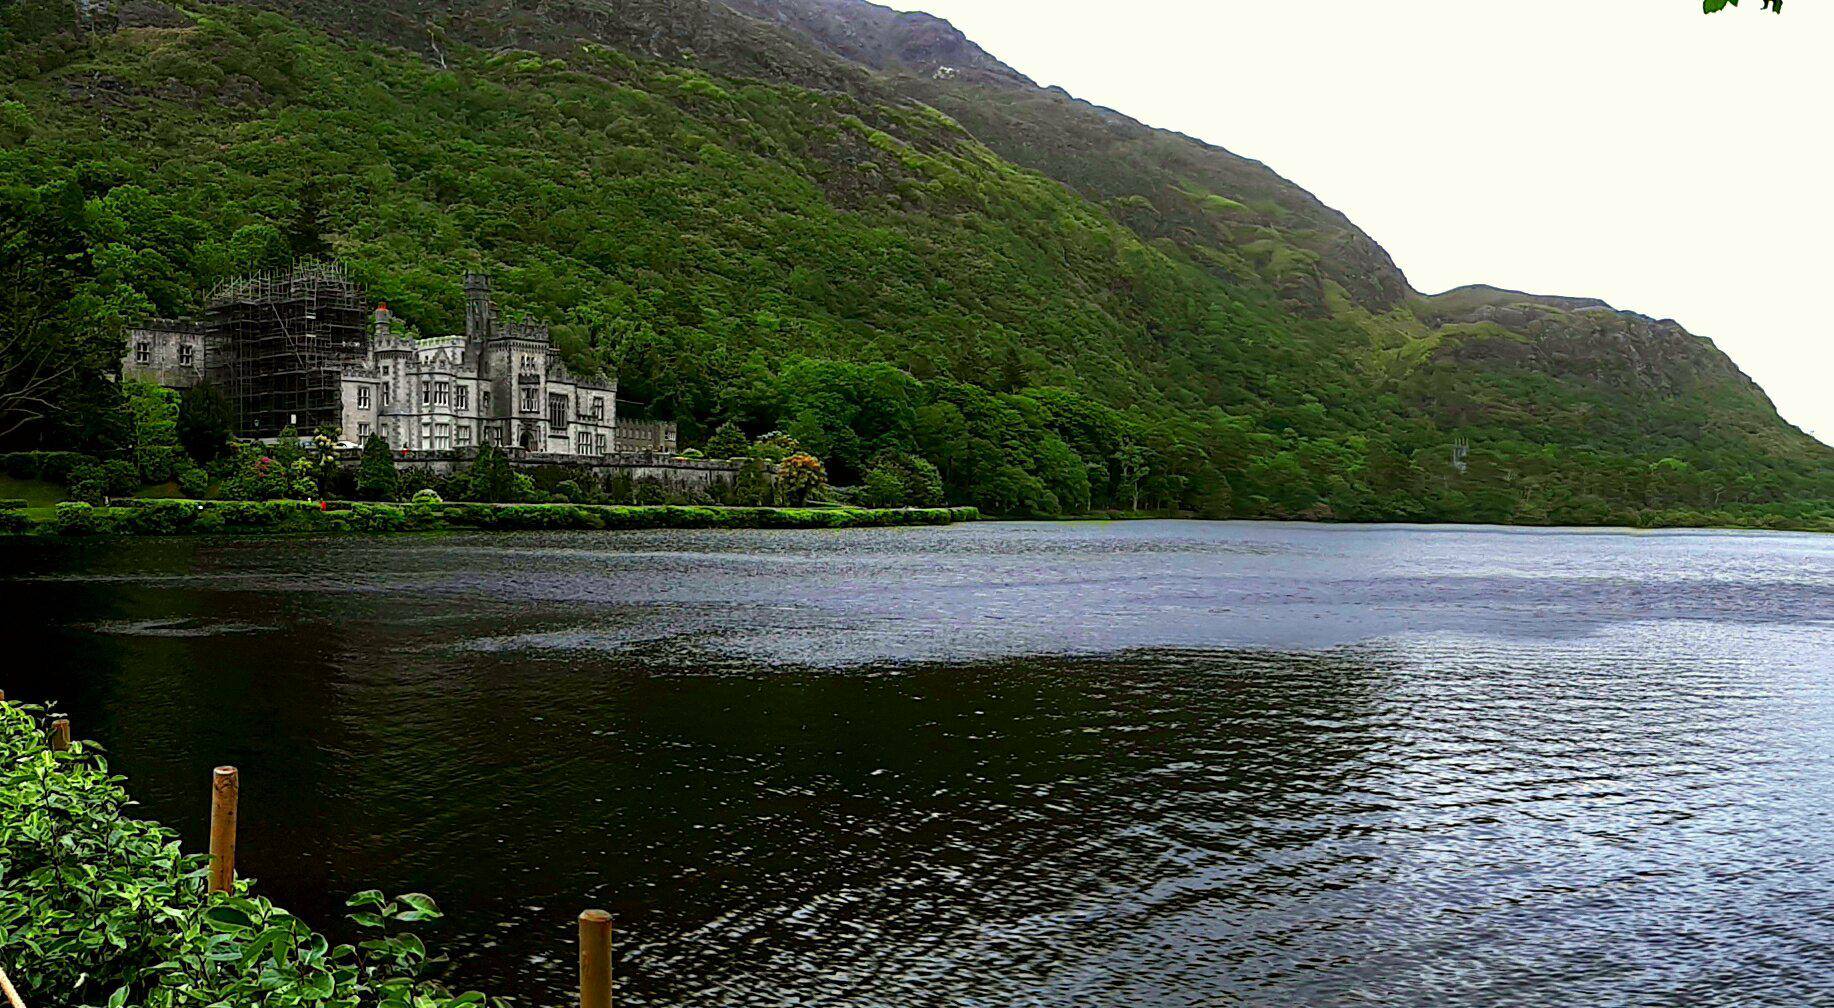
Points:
x=727, y=442
x=490, y=478
x=376, y=476
x=206, y=423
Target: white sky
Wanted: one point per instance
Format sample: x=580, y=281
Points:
x=1638, y=151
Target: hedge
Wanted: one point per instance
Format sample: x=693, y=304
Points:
x=101, y=909
x=51, y=466
x=180, y=517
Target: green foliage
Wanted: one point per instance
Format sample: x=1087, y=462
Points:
x=900, y=479
x=377, y=479
x=185, y=517
x=193, y=482
x=1715, y=6
x=728, y=442
x=266, y=473
x=490, y=479
x=206, y=423
x=114, y=913
x=800, y=477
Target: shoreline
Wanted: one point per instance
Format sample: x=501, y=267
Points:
x=160, y=518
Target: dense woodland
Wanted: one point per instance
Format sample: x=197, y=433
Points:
x=853, y=268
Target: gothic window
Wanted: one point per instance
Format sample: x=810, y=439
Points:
x=484, y=401
x=598, y=407
x=362, y=397
x=557, y=413
x=528, y=399
x=143, y=352
x=426, y=395
x=442, y=437
x=442, y=393
x=462, y=397
x=461, y=436
x=603, y=444
x=185, y=354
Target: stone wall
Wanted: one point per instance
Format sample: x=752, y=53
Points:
x=670, y=471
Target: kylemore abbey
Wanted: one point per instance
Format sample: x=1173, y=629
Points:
x=303, y=348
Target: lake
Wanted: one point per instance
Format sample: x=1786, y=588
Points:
x=1154, y=763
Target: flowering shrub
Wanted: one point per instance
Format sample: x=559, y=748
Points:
x=100, y=909
x=800, y=477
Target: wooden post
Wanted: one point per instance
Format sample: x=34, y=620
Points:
x=12, y=996
x=225, y=790
x=60, y=735
x=595, y=959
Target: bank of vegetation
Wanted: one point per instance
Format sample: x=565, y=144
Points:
x=99, y=909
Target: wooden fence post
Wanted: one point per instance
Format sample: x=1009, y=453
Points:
x=12, y=996
x=595, y=959
x=60, y=735
x=225, y=790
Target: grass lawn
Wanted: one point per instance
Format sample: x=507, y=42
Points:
x=36, y=493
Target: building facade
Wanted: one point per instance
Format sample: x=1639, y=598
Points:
x=281, y=348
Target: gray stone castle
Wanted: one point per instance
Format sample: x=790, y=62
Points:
x=300, y=348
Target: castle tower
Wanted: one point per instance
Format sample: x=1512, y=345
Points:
x=477, y=314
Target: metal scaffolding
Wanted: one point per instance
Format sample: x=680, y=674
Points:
x=280, y=341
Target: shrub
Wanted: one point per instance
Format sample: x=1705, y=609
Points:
x=121, y=477
x=13, y=522
x=88, y=491
x=727, y=442
x=193, y=483
x=428, y=496
x=54, y=467
x=800, y=477
x=76, y=518
x=12, y=504
x=160, y=518
x=118, y=914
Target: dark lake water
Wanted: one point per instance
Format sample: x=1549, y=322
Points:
x=1158, y=764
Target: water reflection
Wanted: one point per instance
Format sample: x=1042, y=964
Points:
x=785, y=805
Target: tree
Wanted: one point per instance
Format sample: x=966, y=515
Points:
x=1131, y=461
x=206, y=423
x=799, y=477
x=727, y=443
x=376, y=476
x=61, y=329
x=490, y=478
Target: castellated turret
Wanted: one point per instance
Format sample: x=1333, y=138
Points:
x=477, y=311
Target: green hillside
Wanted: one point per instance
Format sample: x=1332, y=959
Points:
x=767, y=221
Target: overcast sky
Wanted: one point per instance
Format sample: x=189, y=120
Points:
x=1637, y=151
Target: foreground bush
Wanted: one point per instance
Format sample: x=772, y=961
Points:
x=100, y=909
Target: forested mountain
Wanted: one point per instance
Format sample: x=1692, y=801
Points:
x=854, y=225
